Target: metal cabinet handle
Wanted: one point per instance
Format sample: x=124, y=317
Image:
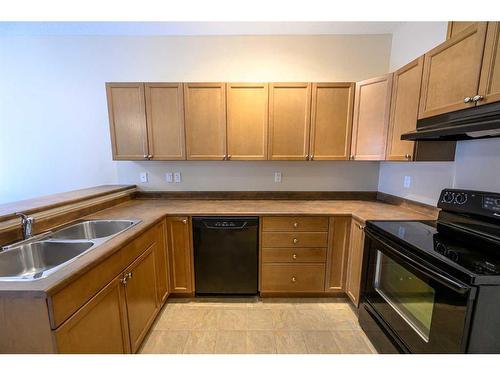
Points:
x=184, y=221
x=296, y=225
x=145, y=156
x=123, y=280
x=129, y=275
x=408, y=157
x=229, y=157
x=477, y=98
x=294, y=279
x=295, y=240
x=150, y=156
x=468, y=99
x=351, y=157
x=294, y=256
x=311, y=157
x=307, y=157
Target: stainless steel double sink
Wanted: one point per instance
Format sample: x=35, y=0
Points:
x=39, y=256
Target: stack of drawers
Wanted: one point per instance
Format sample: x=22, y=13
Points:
x=294, y=251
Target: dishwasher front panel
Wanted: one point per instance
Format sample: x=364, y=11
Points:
x=226, y=255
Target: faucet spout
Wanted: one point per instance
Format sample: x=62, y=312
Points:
x=26, y=224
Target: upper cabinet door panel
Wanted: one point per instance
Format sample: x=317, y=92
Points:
x=127, y=119
x=289, y=118
x=165, y=119
x=404, y=109
x=331, y=120
x=205, y=119
x=371, y=118
x=455, y=27
x=489, y=86
x=451, y=72
x=247, y=116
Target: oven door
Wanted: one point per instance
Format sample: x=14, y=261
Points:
x=427, y=310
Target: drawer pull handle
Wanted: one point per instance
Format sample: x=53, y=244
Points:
x=295, y=240
x=294, y=279
x=184, y=221
x=294, y=256
x=295, y=225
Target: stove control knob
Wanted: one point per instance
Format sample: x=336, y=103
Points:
x=461, y=198
x=448, y=197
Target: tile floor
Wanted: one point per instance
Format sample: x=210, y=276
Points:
x=254, y=326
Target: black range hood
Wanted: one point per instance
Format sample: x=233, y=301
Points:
x=471, y=123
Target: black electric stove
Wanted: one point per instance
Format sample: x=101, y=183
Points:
x=434, y=286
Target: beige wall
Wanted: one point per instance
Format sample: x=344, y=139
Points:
x=53, y=106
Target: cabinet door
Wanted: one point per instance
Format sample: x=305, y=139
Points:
x=489, y=86
x=161, y=263
x=331, y=120
x=451, y=72
x=455, y=27
x=289, y=119
x=355, y=261
x=338, y=247
x=404, y=109
x=99, y=327
x=205, y=119
x=141, y=295
x=371, y=118
x=180, y=253
x=247, y=116
x=165, y=120
x=127, y=120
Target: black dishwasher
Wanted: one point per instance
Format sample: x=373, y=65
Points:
x=226, y=253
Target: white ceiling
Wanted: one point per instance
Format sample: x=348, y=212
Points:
x=194, y=28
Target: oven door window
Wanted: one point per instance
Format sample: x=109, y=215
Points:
x=411, y=297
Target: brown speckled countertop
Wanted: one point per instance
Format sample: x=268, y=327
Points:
x=151, y=211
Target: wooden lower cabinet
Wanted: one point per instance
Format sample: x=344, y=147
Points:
x=304, y=277
x=98, y=327
x=338, y=247
x=117, y=318
x=355, y=261
x=179, y=247
x=140, y=292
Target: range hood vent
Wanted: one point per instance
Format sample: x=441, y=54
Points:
x=472, y=123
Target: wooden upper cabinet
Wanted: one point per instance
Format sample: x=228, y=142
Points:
x=180, y=255
x=127, y=119
x=205, y=120
x=451, y=72
x=247, y=116
x=331, y=120
x=371, y=118
x=289, y=119
x=455, y=27
x=489, y=85
x=165, y=121
x=404, y=109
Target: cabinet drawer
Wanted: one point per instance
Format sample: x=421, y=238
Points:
x=295, y=223
x=291, y=239
x=305, y=277
x=287, y=254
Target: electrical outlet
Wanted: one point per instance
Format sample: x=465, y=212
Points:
x=169, y=177
x=143, y=176
x=177, y=177
x=407, y=182
x=277, y=177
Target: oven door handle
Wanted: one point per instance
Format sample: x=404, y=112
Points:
x=421, y=267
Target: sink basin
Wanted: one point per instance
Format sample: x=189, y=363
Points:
x=36, y=259
x=93, y=229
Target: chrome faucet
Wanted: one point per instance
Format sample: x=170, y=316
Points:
x=27, y=225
